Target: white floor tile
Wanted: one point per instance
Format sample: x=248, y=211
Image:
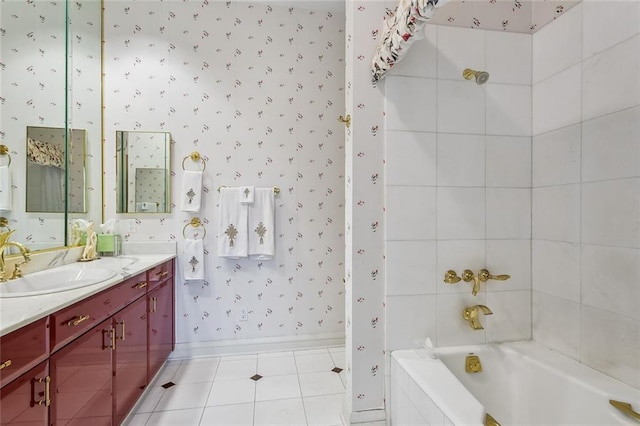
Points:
x=277, y=366
x=323, y=383
x=228, y=415
x=176, y=417
x=236, y=369
x=278, y=387
x=137, y=419
x=280, y=412
x=324, y=410
x=338, y=358
x=150, y=401
x=196, y=371
x=226, y=392
x=168, y=370
x=190, y=395
x=314, y=363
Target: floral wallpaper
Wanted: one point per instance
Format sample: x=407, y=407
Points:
x=256, y=89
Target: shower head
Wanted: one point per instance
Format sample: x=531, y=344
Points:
x=481, y=76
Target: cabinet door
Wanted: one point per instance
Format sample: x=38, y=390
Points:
x=160, y=326
x=25, y=400
x=81, y=379
x=130, y=356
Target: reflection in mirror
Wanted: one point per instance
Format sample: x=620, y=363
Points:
x=143, y=169
x=46, y=171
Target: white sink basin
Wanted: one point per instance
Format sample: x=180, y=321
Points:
x=54, y=281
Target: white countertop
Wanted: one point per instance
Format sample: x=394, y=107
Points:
x=16, y=312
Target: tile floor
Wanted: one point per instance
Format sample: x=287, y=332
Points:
x=292, y=388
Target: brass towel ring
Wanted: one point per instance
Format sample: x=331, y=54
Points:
x=196, y=223
x=195, y=157
x=4, y=150
x=276, y=189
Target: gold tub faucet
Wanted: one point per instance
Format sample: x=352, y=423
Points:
x=24, y=251
x=471, y=314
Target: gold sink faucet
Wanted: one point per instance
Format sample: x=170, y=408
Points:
x=24, y=251
x=471, y=314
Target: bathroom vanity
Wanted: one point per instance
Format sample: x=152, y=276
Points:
x=86, y=355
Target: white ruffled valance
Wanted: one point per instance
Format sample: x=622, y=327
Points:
x=401, y=29
x=45, y=154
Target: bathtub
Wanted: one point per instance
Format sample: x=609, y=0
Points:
x=521, y=383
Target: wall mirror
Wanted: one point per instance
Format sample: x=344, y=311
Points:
x=143, y=171
x=51, y=173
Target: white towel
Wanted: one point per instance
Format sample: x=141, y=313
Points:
x=232, y=225
x=193, y=259
x=5, y=188
x=247, y=196
x=191, y=191
x=262, y=225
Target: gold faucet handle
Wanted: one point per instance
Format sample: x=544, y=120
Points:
x=484, y=275
x=467, y=275
x=451, y=277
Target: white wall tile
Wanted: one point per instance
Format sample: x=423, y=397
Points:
x=410, y=158
x=460, y=160
x=606, y=23
x=556, y=157
x=611, y=212
x=509, y=57
x=461, y=107
x=411, y=267
x=508, y=213
x=610, y=344
x=556, y=269
x=410, y=103
x=556, y=213
x=452, y=328
x=421, y=59
x=611, y=146
x=508, y=110
x=411, y=213
x=610, y=80
x=558, y=45
x=557, y=101
x=508, y=161
x=556, y=324
x=461, y=213
x=459, y=255
x=511, y=319
x=410, y=318
x=459, y=48
x=511, y=257
x=610, y=277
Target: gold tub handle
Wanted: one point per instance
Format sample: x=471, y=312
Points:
x=626, y=408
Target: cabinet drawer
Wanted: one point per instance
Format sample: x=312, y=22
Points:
x=22, y=349
x=160, y=273
x=71, y=322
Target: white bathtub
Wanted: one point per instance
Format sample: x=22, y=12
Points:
x=522, y=383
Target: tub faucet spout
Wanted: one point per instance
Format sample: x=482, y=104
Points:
x=471, y=314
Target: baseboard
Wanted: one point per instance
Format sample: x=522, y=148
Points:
x=376, y=417
x=247, y=346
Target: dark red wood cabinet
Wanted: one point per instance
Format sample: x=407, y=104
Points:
x=89, y=363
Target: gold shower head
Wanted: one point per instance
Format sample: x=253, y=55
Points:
x=480, y=76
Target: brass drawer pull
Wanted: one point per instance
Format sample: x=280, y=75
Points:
x=140, y=285
x=5, y=364
x=47, y=391
x=123, y=332
x=162, y=273
x=77, y=320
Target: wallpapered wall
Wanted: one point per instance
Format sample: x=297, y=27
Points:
x=32, y=86
x=257, y=90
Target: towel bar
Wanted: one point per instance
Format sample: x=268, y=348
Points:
x=276, y=190
x=195, y=157
x=196, y=223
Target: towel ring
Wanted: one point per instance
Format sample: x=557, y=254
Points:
x=196, y=223
x=4, y=223
x=4, y=150
x=276, y=190
x=195, y=157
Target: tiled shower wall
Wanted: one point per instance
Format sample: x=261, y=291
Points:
x=256, y=89
x=586, y=186
x=458, y=187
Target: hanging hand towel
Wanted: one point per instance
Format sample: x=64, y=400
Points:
x=247, y=196
x=191, y=191
x=5, y=188
x=193, y=259
x=232, y=224
x=262, y=225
